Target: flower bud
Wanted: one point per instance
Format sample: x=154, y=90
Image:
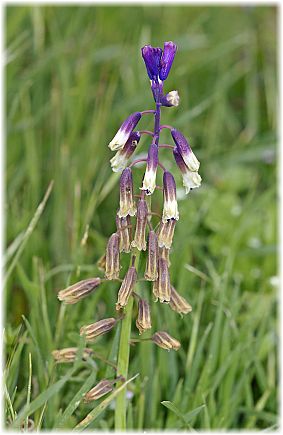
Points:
x=171, y=99
x=139, y=241
x=96, y=329
x=124, y=229
x=170, y=205
x=164, y=253
x=124, y=131
x=120, y=160
x=191, y=179
x=178, y=303
x=151, y=56
x=185, y=150
x=143, y=321
x=78, y=291
x=149, y=179
x=103, y=387
x=164, y=340
x=167, y=59
x=161, y=287
x=112, y=265
x=69, y=354
x=126, y=288
x=151, y=272
x=166, y=233
x=127, y=204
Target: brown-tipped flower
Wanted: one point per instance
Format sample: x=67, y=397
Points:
x=124, y=229
x=164, y=253
x=127, y=203
x=78, y=291
x=161, y=287
x=96, y=329
x=69, y=354
x=103, y=387
x=126, y=288
x=112, y=265
x=164, y=340
x=151, y=272
x=143, y=321
x=178, y=303
x=166, y=233
x=139, y=241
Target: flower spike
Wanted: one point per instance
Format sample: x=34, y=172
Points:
x=124, y=132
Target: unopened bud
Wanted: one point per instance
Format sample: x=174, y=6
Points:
x=143, y=321
x=161, y=287
x=124, y=229
x=96, y=329
x=165, y=341
x=127, y=203
x=69, y=354
x=139, y=241
x=178, y=303
x=78, y=291
x=112, y=264
x=103, y=387
x=126, y=288
x=151, y=272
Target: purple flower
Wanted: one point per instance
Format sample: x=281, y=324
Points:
x=167, y=59
x=120, y=160
x=170, y=206
x=127, y=203
x=123, y=134
x=185, y=150
x=139, y=241
x=149, y=179
x=151, y=56
x=191, y=179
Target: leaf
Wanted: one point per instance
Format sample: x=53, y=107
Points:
x=184, y=417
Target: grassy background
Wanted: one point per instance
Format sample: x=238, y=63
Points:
x=73, y=75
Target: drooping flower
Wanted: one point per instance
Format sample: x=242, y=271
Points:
x=103, y=387
x=127, y=203
x=171, y=99
x=151, y=271
x=126, y=288
x=149, y=179
x=165, y=253
x=69, y=354
x=78, y=291
x=161, y=287
x=170, y=205
x=112, y=260
x=185, y=150
x=124, y=229
x=120, y=160
x=124, y=132
x=94, y=330
x=143, y=321
x=191, y=179
x=166, y=233
x=165, y=341
x=139, y=241
x=167, y=59
x=178, y=303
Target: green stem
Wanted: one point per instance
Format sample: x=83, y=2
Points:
x=123, y=360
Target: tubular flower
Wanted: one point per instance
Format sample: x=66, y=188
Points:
x=171, y=99
x=126, y=288
x=170, y=205
x=124, y=132
x=166, y=233
x=151, y=271
x=103, y=387
x=152, y=56
x=191, y=179
x=164, y=253
x=69, y=354
x=127, y=204
x=78, y=291
x=167, y=59
x=96, y=329
x=124, y=228
x=161, y=287
x=165, y=341
x=185, y=150
x=149, y=179
x=143, y=321
x=178, y=303
x=139, y=241
x=120, y=160
x=112, y=262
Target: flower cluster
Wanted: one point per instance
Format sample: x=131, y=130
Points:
x=140, y=236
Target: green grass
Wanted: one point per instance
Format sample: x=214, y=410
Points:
x=73, y=75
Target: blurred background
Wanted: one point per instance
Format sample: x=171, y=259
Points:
x=73, y=74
